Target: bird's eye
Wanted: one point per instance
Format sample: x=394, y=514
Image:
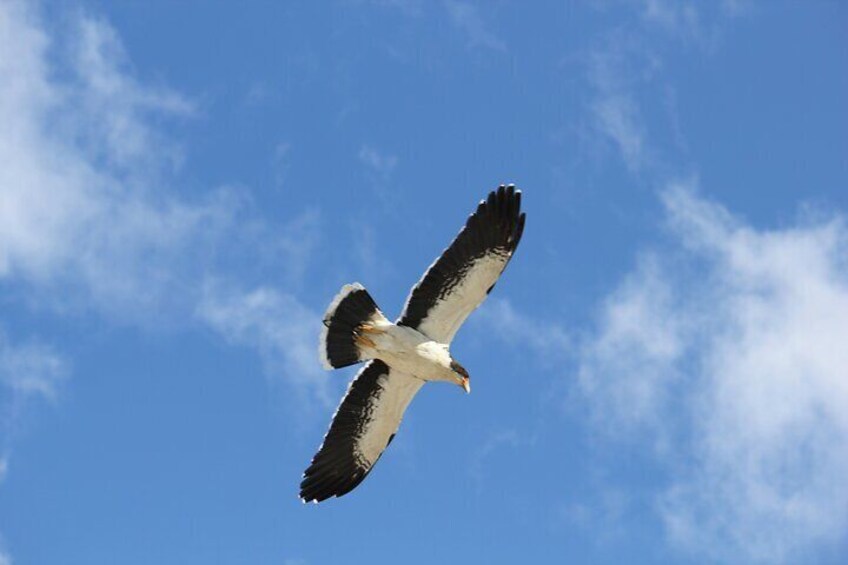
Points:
x=459, y=369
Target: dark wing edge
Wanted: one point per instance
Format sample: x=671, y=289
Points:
x=461, y=278
x=364, y=424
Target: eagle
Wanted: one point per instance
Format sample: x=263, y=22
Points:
x=400, y=357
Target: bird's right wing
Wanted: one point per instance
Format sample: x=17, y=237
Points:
x=459, y=280
x=363, y=426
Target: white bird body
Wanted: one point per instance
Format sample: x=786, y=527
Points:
x=407, y=350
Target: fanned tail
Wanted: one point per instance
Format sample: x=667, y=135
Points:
x=351, y=313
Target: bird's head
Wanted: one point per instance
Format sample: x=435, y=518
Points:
x=460, y=375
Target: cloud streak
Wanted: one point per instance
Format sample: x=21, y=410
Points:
x=626, y=79
x=548, y=340
x=29, y=372
x=284, y=331
x=382, y=164
x=617, y=70
x=466, y=17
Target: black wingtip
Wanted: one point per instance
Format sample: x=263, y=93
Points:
x=325, y=485
x=519, y=231
x=504, y=206
x=336, y=469
x=494, y=228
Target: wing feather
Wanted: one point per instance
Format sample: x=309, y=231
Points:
x=362, y=427
x=461, y=278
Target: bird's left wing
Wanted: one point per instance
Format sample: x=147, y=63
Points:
x=462, y=277
x=363, y=426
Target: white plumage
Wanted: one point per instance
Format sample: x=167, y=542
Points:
x=447, y=315
x=400, y=389
x=402, y=356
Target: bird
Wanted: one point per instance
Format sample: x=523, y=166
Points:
x=401, y=357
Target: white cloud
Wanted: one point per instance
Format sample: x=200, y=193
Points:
x=91, y=215
x=602, y=520
x=676, y=17
x=466, y=17
x=626, y=78
x=729, y=350
x=619, y=119
x=617, y=68
x=477, y=458
x=283, y=330
x=628, y=346
x=736, y=8
x=408, y=7
x=281, y=162
x=112, y=110
x=381, y=163
x=82, y=167
x=698, y=23
x=29, y=371
x=498, y=315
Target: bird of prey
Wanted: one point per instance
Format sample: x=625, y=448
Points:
x=400, y=357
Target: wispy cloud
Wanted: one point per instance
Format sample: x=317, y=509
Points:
x=619, y=119
x=281, y=162
x=751, y=322
x=548, y=340
x=29, y=372
x=112, y=114
x=283, y=330
x=83, y=165
x=626, y=78
x=408, y=7
x=477, y=459
x=617, y=69
x=31, y=369
x=678, y=18
x=466, y=17
x=697, y=23
x=628, y=346
x=380, y=163
x=603, y=519
x=93, y=219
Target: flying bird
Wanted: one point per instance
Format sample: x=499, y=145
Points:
x=400, y=357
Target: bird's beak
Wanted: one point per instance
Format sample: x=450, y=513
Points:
x=466, y=384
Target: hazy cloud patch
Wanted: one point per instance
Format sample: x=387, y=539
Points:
x=29, y=372
x=284, y=332
x=726, y=348
x=381, y=163
x=466, y=17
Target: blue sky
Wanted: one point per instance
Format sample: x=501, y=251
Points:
x=659, y=378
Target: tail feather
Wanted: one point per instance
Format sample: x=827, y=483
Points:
x=348, y=312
